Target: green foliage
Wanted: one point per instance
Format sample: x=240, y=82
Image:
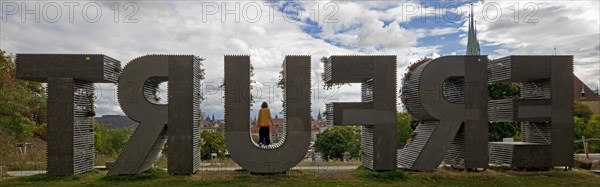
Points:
x=504, y=91
x=593, y=131
x=593, y=127
x=109, y=141
x=212, y=142
x=499, y=130
x=334, y=142
x=579, y=130
x=46, y=178
x=582, y=111
x=150, y=174
x=302, y=178
x=404, y=129
x=363, y=172
x=22, y=103
x=579, y=127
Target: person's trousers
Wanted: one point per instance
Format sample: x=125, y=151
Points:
x=263, y=136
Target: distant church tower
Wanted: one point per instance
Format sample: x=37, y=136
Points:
x=319, y=115
x=472, y=42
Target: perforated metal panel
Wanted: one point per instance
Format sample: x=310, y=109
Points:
x=501, y=110
x=95, y=68
x=154, y=152
x=376, y=112
x=279, y=157
x=453, y=90
x=112, y=69
x=500, y=69
x=455, y=155
x=410, y=153
x=410, y=90
x=501, y=154
x=435, y=92
x=329, y=113
x=83, y=127
x=366, y=91
x=367, y=130
x=520, y=155
x=197, y=113
x=151, y=86
x=367, y=146
x=327, y=76
x=176, y=121
x=543, y=109
x=536, y=132
x=536, y=90
x=70, y=78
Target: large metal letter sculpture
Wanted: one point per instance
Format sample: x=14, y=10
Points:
x=545, y=111
x=281, y=157
x=449, y=95
x=70, y=81
x=377, y=111
x=136, y=88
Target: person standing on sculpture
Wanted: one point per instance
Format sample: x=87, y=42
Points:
x=264, y=122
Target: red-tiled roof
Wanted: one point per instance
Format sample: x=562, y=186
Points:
x=589, y=94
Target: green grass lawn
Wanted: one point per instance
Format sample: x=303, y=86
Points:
x=359, y=177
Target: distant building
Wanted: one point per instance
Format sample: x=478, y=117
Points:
x=317, y=126
x=583, y=94
x=212, y=125
x=116, y=121
x=277, y=131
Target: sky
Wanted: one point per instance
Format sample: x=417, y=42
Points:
x=270, y=30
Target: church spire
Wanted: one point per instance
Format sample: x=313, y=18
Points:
x=472, y=42
x=319, y=115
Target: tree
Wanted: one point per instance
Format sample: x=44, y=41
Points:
x=22, y=103
x=499, y=130
x=212, y=142
x=404, y=129
x=582, y=111
x=334, y=142
x=579, y=127
x=109, y=141
x=579, y=130
x=593, y=127
x=593, y=131
x=504, y=90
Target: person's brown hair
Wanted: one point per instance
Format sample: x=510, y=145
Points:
x=264, y=105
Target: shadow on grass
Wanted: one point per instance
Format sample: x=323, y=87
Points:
x=151, y=174
x=365, y=173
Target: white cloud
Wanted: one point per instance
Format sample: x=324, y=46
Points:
x=178, y=28
x=571, y=27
